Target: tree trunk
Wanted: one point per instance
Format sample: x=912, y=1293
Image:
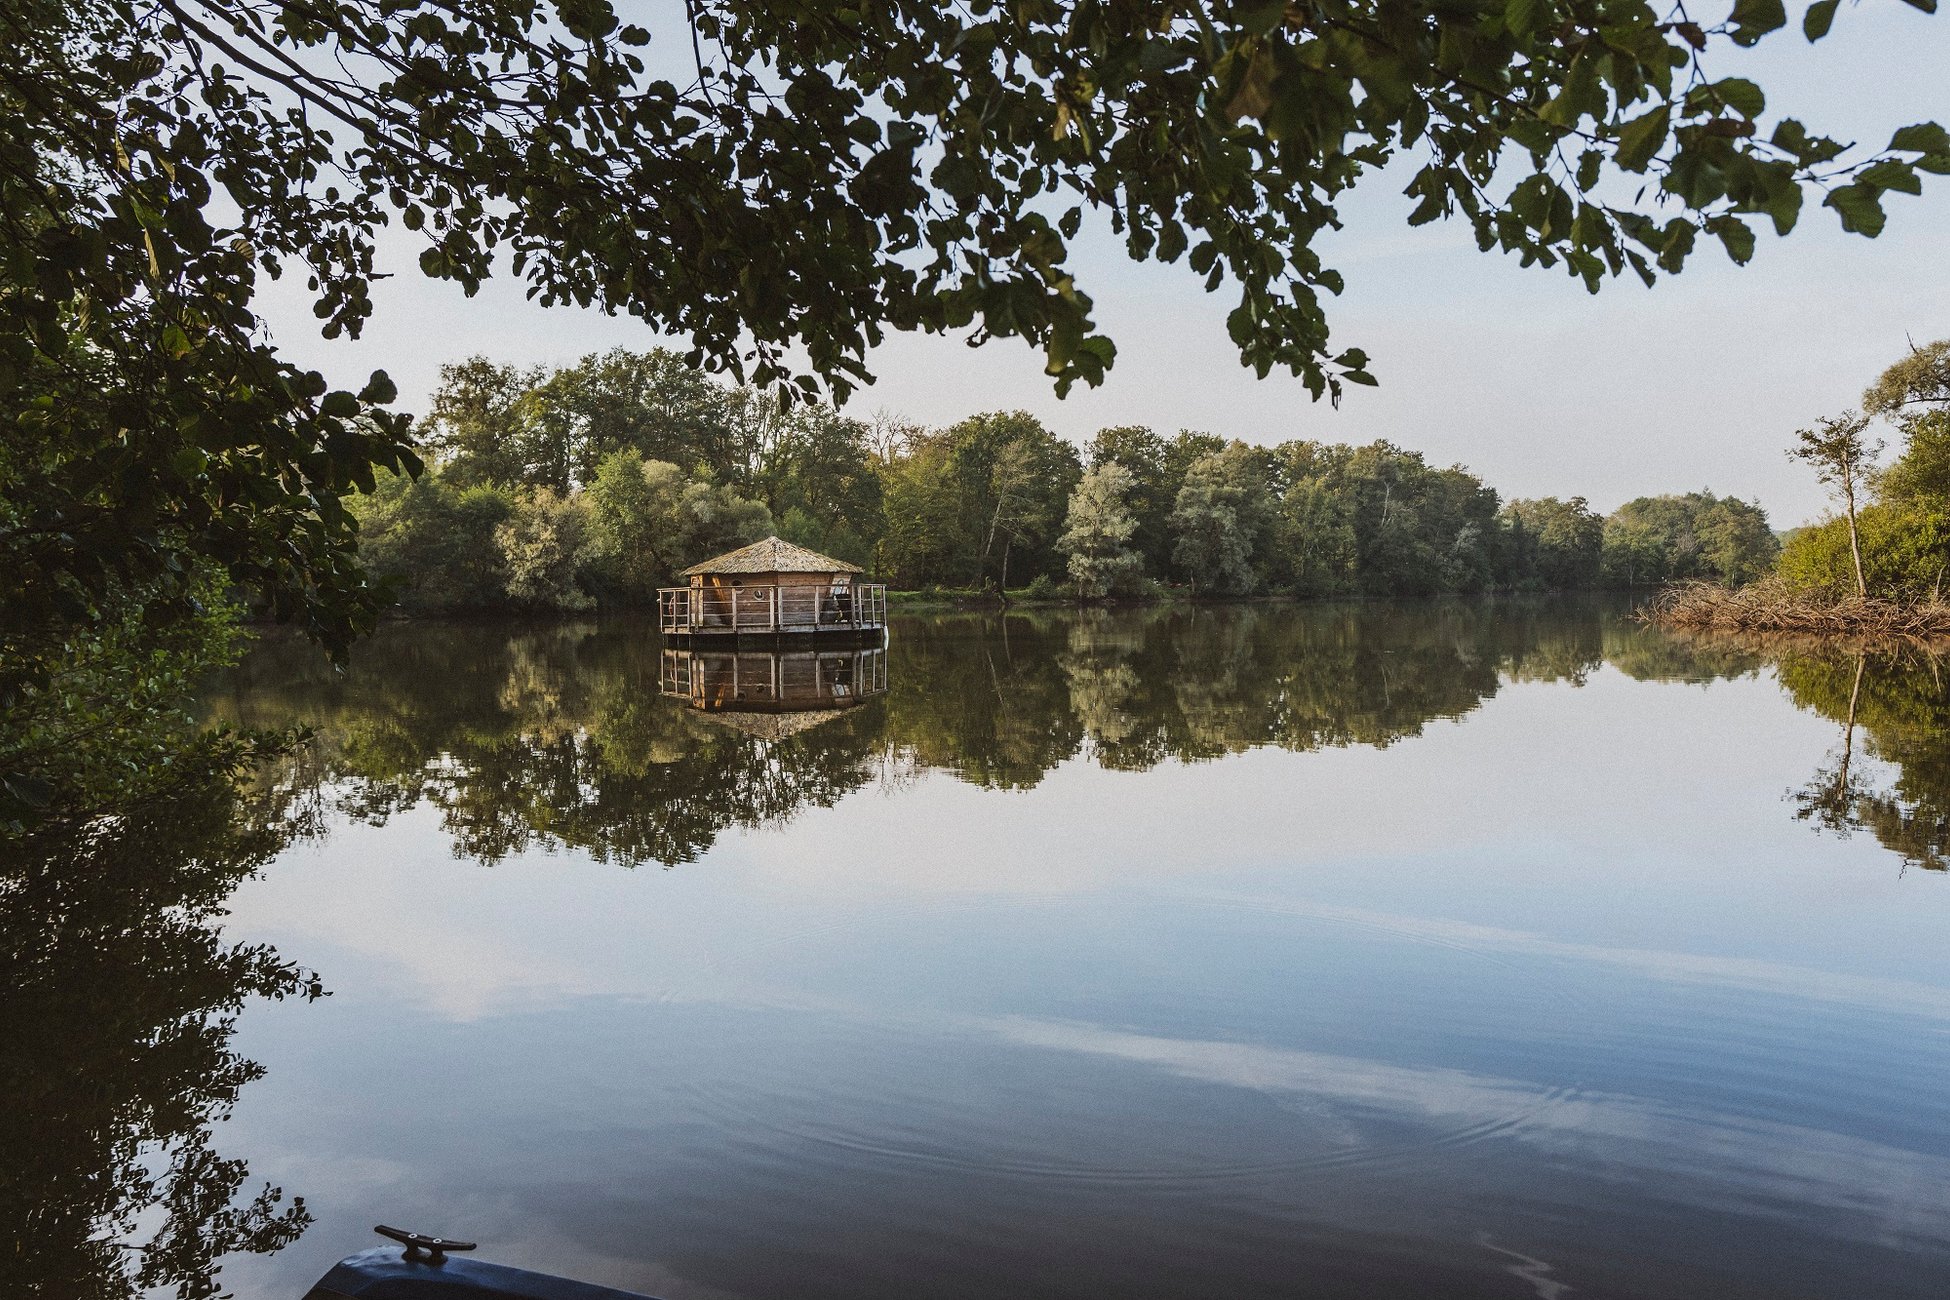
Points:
x=1848, y=728
x=1854, y=542
x=995, y=523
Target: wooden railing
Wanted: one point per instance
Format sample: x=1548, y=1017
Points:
x=801, y=679
x=769, y=608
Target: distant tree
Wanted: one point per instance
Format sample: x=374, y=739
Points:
x=1658, y=539
x=1921, y=379
x=653, y=403
x=1317, y=536
x=1635, y=550
x=818, y=476
x=1842, y=457
x=649, y=518
x=482, y=427
x=1899, y=543
x=1735, y=543
x=1142, y=454
x=1213, y=522
x=1418, y=530
x=930, y=534
x=1905, y=552
x=431, y=541
x=1013, y=478
x=1100, y=535
x=1183, y=450
x=1914, y=394
x=1558, y=545
x=544, y=551
x=1921, y=473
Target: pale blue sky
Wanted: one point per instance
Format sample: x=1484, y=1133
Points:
x=1518, y=374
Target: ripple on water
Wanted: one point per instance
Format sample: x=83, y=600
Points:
x=1005, y=1094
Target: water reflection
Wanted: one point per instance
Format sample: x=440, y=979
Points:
x=121, y=1001
x=1889, y=773
x=593, y=737
x=1447, y=949
x=772, y=694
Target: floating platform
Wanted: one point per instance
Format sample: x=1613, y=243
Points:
x=786, y=612
x=815, y=638
x=773, y=593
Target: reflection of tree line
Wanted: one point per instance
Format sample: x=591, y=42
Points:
x=551, y=736
x=1893, y=708
x=121, y=1000
x=123, y=993
x=557, y=735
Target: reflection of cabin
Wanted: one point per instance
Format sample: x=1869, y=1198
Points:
x=773, y=589
x=774, y=694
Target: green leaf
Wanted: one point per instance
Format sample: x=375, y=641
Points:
x=1860, y=207
x=1924, y=137
x=1737, y=237
x=379, y=390
x=1640, y=139
x=1891, y=175
x=1255, y=93
x=1820, y=16
x=1783, y=204
x=1263, y=18
x=28, y=789
x=1520, y=17
x=1753, y=19
x=1741, y=95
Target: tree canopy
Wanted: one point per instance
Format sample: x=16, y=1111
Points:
x=815, y=175
x=1893, y=539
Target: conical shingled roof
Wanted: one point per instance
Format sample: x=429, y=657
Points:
x=773, y=555
x=772, y=726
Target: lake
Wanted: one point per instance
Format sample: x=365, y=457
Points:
x=1502, y=948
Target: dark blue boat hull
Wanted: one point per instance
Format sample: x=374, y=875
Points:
x=387, y=1273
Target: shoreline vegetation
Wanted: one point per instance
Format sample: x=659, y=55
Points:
x=1774, y=606
x=587, y=487
x=1875, y=570
x=591, y=485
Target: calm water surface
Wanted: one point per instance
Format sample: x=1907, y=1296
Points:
x=1499, y=950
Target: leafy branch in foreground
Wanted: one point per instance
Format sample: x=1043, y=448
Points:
x=824, y=172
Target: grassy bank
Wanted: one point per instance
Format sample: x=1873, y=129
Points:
x=1772, y=606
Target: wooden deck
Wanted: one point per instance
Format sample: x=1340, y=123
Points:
x=758, y=614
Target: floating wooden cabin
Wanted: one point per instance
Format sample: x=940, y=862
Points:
x=773, y=589
x=773, y=694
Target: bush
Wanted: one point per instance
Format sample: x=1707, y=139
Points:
x=1042, y=588
x=1905, y=551
x=545, y=551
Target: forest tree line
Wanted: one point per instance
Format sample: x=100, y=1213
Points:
x=592, y=484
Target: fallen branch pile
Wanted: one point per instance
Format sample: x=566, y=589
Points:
x=1772, y=606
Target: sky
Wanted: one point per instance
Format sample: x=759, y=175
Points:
x=1517, y=374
